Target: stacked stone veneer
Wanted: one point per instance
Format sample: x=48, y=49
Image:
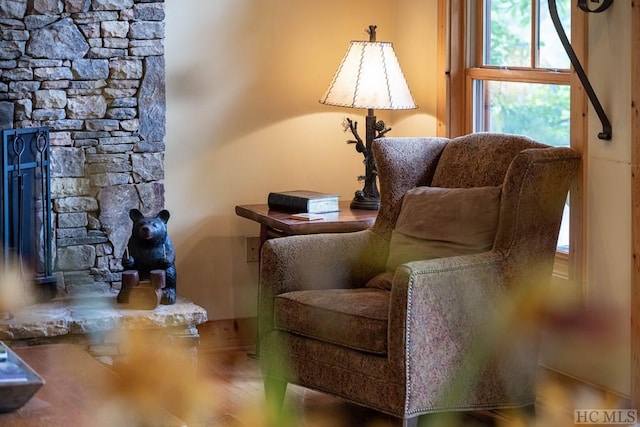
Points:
x=93, y=72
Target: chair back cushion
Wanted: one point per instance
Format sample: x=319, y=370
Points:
x=479, y=159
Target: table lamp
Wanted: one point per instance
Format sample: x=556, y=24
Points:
x=370, y=77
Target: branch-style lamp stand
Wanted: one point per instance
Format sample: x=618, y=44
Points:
x=368, y=197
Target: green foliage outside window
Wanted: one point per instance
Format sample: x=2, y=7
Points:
x=537, y=110
x=540, y=111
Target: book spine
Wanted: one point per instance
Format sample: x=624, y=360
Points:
x=323, y=206
x=287, y=203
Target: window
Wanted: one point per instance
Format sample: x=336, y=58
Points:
x=520, y=75
x=508, y=72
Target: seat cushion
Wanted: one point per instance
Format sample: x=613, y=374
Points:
x=354, y=318
x=439, y=222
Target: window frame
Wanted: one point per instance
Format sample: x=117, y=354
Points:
x=461, y=25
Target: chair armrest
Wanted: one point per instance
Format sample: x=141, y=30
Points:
x=447, y=316
x=316, y=261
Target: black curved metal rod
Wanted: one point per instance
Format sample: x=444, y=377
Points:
x=606, y=125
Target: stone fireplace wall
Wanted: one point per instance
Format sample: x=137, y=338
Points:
x=93, y=72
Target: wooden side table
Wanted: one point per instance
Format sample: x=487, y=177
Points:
x=278, y=224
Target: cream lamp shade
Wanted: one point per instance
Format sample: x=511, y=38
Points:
x=369, y=76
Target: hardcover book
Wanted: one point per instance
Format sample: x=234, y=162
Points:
x=303, y=201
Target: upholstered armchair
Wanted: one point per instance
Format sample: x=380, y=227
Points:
x=403, y=319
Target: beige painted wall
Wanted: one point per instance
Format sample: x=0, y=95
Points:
x=243, y=119
x=609, y=189
x=607, y=361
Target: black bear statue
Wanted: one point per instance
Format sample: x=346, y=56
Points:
x=150, y=248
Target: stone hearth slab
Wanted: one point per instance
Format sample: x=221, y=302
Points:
x=99, y=324
x=86, y=315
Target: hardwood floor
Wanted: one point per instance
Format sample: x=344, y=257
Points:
x=224, y=361
x=240, y=395
x=157, y=385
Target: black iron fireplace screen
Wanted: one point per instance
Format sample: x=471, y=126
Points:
x=25, y=206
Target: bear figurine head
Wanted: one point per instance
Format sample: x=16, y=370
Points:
x=152, y=230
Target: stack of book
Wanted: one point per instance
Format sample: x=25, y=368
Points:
x=303, y=201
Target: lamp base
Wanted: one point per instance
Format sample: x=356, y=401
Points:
x=360, y=201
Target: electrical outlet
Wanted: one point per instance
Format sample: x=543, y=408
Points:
x=253, y=249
